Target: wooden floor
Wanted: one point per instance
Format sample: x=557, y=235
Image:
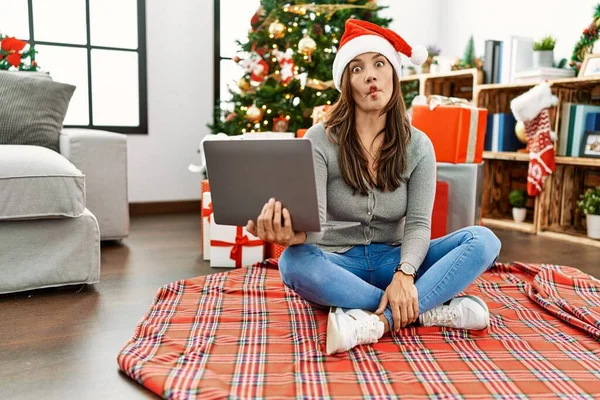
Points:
x=62, y=343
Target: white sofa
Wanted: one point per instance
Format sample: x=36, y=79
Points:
x=56, y=208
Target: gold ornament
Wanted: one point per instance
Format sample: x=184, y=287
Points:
x=277, y=29
x=253, y=114
x=243, y=84
x=307, y=46
x=520, y=132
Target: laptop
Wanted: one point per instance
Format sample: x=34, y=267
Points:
x=245, y=174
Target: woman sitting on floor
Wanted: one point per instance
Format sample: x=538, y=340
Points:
x=372, y=166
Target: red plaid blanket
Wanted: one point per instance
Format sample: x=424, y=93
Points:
x=243, y=334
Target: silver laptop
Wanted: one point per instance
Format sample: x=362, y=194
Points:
x=245, y=174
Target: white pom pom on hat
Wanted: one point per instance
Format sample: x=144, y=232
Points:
x=364, y=37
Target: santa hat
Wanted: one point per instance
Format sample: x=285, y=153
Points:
x=364, y=37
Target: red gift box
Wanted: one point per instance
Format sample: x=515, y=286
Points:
x=439, y=217
x=456, y=131
x=204, y=187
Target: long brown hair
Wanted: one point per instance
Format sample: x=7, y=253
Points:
x=391, y=158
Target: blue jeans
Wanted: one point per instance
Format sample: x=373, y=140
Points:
x=358, y=277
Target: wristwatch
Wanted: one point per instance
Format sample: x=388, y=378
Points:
x=407, y=269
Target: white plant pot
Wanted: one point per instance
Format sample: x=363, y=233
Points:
x=593, y=226
x=543, y=58
x=434, y=68
x=519, y=214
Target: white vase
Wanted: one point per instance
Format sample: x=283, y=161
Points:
x=543, y=58
x=593, y=226
x=519, y=214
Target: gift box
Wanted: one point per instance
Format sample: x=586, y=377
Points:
x=456, y=131
x=439, y=216
x=301, y=132
x=204, y=188
x=234, y=247
x=274, y=250
x=207, y=211
x=465, y=183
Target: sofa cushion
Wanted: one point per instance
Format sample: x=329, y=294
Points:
x=33, y=109
x=36, y=182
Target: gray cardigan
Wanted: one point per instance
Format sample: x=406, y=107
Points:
x=401, y=217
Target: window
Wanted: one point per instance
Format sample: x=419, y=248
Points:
x=230, y=27
x=97, y=45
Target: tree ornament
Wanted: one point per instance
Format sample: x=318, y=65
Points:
x=243, y=84
x=257, y=18
x=307, y=46
x=253, y=114
x=277, y=30
x=257, y=67
x=317, y=29
x=280, y=124
x=286, y=63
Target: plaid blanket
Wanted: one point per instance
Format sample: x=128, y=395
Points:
x=243, y=334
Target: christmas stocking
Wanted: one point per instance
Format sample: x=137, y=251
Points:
x=532, y=109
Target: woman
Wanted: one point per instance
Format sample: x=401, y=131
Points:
x=373, y=167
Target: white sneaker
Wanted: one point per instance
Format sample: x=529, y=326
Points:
x=465, y=312
x=351, y=328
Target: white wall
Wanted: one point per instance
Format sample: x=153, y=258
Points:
x=418, y=22
x=487, y=19
x=180, y=101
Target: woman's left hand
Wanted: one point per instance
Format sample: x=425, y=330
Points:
x=403, y=299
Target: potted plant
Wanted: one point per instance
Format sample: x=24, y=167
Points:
x=543, y=52
x=517, y=199
x=432, y=51
x=589, y=204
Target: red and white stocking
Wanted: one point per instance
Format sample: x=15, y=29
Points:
x=541, y=152
x=532, y=108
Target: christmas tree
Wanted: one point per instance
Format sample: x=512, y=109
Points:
x=288, y=64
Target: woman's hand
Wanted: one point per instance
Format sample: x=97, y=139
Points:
x=403, y=299
x=268, y=226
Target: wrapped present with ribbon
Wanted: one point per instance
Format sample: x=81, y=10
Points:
x=234, y=247
x=204, y=188
x=455, y=127
x=465, y=193
x=207, y=211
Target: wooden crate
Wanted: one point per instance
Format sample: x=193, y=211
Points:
x=558, y=209
x=501, y=178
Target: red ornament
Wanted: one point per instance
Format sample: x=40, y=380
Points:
x=280, y=124
x=287, y=65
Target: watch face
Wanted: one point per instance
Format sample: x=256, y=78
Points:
x=407, y=269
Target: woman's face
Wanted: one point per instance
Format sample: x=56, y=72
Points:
x=371, y=80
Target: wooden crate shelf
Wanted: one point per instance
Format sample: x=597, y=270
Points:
x=554, y=212
x=460, y=83
x=504, y=223
x=518, y=156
